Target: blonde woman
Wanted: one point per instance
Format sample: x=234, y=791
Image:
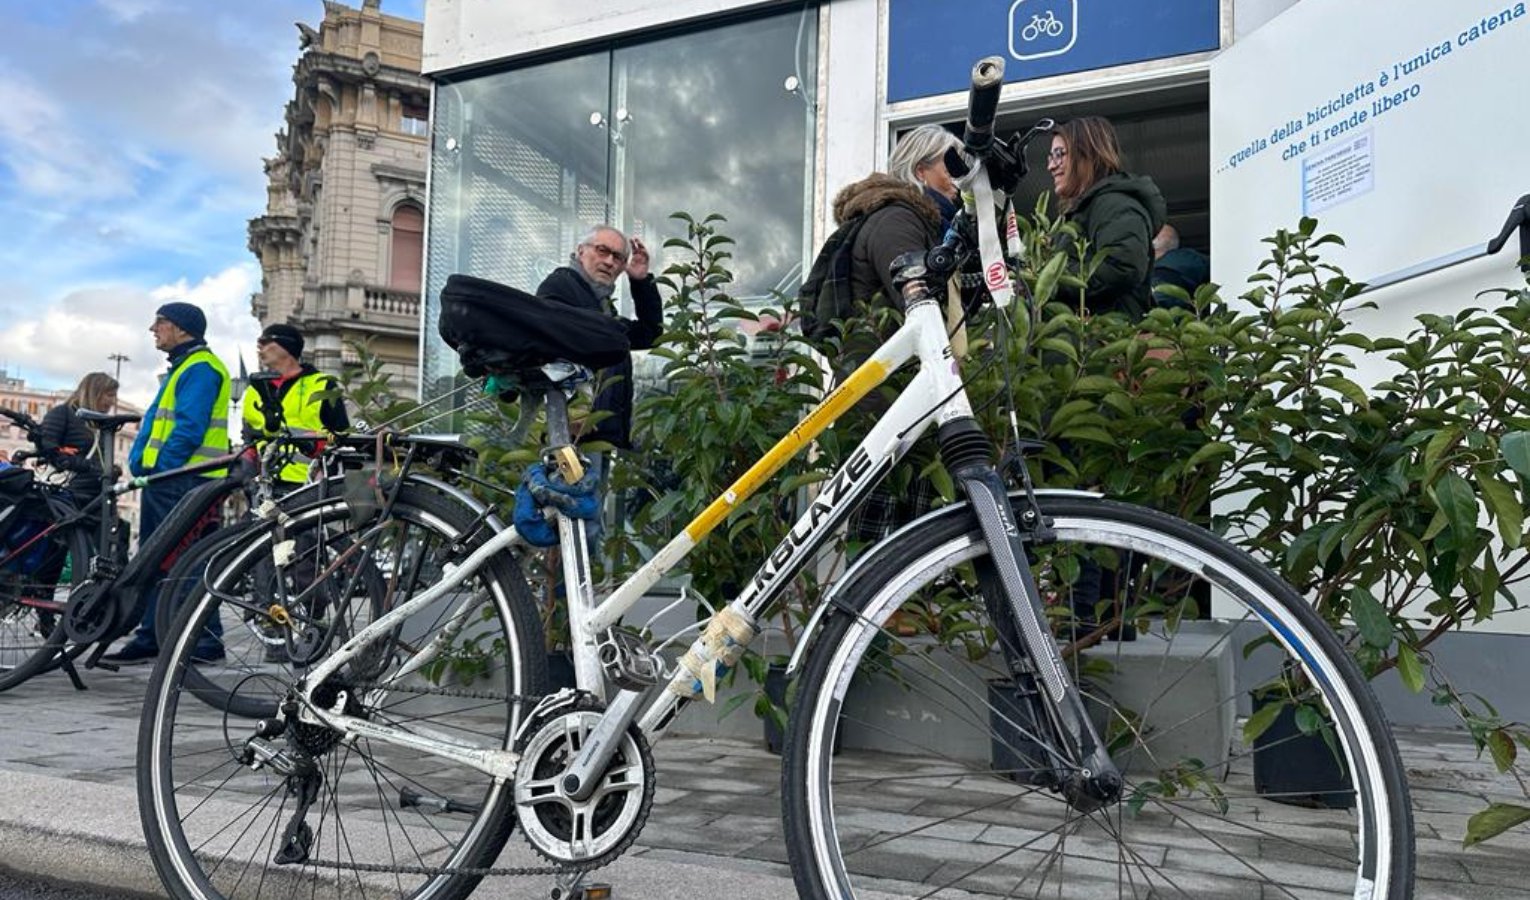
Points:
x=68, y=443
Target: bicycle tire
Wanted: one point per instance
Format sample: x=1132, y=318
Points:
x=187, y=573
x=1004, y=829
x=29, y=646
x=212, y=821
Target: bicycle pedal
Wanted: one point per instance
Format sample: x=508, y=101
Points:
x=583, y=892
x=627, y=661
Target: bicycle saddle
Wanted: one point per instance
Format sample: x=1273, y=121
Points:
x=107, y=421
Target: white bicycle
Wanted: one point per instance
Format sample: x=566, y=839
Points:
x=1053, y=761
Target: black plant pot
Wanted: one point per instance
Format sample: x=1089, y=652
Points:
x=775, y=689
x=560, y=671
x=1299, y=769
x=1014, y=715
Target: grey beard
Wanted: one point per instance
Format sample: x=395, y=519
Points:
x=603, y=292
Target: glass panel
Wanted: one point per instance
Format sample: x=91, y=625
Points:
x=517, y=170
x=721, y=121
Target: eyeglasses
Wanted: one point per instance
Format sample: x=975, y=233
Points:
x=1057, y=154
x=608, y=253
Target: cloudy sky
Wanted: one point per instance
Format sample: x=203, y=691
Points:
x=131, y=140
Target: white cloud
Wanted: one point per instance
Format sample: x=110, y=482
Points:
x=47, y=155
x=77, y=333
x=129, y=10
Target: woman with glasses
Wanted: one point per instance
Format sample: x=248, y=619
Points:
x=1115, y=211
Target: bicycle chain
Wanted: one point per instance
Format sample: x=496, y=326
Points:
x=477, y=871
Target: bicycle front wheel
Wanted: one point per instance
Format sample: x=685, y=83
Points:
x=950, y=779
x=241, y=797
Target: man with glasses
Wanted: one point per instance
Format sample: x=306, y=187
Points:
x=588, y=282
x=186, y=424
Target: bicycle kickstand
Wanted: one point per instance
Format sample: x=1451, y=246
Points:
x=74, y=674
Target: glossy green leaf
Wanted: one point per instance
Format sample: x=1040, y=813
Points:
x=1493, y=821
x=1410, y=669
x=1260, y=722
x=1516, y=452
x=1370, y=617
x=1459, y=503
x=1505, y=507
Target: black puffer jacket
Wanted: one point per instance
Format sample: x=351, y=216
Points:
x=567, y=286
x=67, y=443
x=1120, y=214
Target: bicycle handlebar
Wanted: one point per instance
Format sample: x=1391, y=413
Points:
x=983, y=103
x=22, y=420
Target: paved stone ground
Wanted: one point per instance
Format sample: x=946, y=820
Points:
x=718, y=805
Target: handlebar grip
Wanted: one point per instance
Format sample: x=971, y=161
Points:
x=982, y=102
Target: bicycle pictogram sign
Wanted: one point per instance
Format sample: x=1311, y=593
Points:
x=1042, y=28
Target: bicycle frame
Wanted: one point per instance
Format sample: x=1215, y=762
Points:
x=934, y=396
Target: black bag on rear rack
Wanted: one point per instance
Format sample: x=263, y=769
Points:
x=496, y=328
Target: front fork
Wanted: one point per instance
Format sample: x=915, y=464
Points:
x=1011, y=588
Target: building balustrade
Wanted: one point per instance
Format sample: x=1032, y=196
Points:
x=398, y=303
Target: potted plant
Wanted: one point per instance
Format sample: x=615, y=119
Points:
x=733, y=384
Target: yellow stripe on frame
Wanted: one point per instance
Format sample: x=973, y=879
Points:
x=860, y=383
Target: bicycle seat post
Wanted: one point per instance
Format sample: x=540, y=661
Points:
x=560, y=443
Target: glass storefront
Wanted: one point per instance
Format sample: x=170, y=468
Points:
x=713, y=121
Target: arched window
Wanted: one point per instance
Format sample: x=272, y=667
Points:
x=408, y=248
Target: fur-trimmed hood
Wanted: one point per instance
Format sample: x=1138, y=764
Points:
x=878, y=190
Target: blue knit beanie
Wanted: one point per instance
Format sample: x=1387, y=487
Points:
x=187, y=316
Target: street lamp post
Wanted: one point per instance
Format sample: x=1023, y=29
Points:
x=119, y=359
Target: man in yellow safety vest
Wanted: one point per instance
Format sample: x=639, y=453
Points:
x=299, y=396
x=186, y=424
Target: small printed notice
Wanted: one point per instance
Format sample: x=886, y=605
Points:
x=1342, y=172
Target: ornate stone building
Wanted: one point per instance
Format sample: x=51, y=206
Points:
x=340, y=242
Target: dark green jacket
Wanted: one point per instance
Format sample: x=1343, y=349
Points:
x=1120, y=214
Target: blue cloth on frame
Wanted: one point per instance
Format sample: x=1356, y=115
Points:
x=537, y=490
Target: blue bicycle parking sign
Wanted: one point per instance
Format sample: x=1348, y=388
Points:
x=932, y=43
x=1042, y=28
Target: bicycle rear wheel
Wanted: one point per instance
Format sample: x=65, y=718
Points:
x=32, y=637
x=948, y=783
x=330, y=589
x=221, y=786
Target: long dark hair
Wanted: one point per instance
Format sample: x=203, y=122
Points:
x=1092, y=152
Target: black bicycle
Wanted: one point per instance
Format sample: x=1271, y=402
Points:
x=47, y=538
x=107, y=585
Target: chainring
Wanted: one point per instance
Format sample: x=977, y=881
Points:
x=92, y=613
x=588, y=833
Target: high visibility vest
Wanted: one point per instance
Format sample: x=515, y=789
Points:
x=215, y=439
x=301, y=411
